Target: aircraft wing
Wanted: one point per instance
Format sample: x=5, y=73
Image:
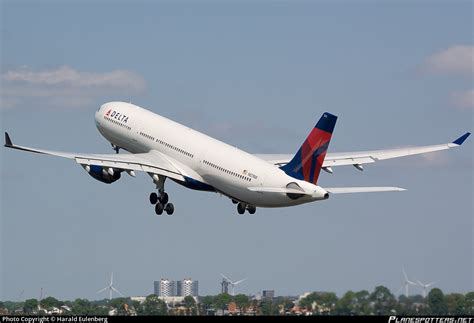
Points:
x=152, y=162
x=365, y=157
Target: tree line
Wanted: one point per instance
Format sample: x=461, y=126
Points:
x=378, y=302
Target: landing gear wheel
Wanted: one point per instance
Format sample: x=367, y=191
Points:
x=159, y=209
x=252, y=209
x=153, y=198
x=234, y=201
x=169, y=208
x=164, y=198
x=241, y=208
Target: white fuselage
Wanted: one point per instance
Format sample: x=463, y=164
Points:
x=204, y=159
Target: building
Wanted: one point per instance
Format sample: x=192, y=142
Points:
x=156, y=287
x=268, y=294
x=187, y=287
x=166, y=288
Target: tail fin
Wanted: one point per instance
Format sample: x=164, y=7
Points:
x=306, y=164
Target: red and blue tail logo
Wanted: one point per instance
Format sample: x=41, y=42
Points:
x=306, y=164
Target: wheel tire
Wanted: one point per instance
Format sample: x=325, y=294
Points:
x=159, y=209
x=164, y=198
x=240, y=208
x=234, y=201
x=169, y=208
x=252, y=209
x=153, y=198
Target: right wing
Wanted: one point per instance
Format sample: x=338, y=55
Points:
x=152, y=162
x=365, y=157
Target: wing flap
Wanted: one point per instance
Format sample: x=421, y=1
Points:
x=328, y=162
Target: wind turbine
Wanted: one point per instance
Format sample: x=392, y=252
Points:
x=232, y=284
x=21, y=294
x=424, y=286
x=111, y=288
x=406, y=283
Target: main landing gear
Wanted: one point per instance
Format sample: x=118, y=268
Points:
x=161, y=199
x=161, y=203
x=241, y=207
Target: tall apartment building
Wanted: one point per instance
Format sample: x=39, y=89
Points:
x=165, y=288
x=187, y=287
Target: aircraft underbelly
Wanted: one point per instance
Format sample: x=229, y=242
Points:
x=241, y=193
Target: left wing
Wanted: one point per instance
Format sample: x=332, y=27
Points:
x=366, y=157
x=152, y=162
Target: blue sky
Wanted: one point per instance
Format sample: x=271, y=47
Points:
x=257, y=75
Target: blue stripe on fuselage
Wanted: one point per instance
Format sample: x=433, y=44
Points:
x=193, y=184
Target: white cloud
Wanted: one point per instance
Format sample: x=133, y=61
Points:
x=66, y=87
x=463, y=99
x=453, y=60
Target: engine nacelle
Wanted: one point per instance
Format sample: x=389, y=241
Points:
x=103, y=174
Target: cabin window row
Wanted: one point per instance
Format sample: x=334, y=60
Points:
x=225, y=170
x=118, y=123
x=182, y=151
x=147, y=136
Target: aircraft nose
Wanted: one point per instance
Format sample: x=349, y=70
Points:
x=98, y=114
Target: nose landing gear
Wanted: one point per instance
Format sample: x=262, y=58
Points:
x=116, y=148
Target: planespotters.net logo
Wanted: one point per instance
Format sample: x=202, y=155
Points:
x=54, y=319
x=396, y=319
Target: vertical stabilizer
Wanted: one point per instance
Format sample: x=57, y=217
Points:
x=306, y=164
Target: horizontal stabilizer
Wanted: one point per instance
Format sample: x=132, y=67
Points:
x=344, y=190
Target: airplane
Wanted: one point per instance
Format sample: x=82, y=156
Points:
x=166, y=149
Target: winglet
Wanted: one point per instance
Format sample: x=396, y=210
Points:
x=461, y=139
x=8, y=141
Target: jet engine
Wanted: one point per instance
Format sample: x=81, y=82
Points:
x=106, y=175
x=295, y=196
